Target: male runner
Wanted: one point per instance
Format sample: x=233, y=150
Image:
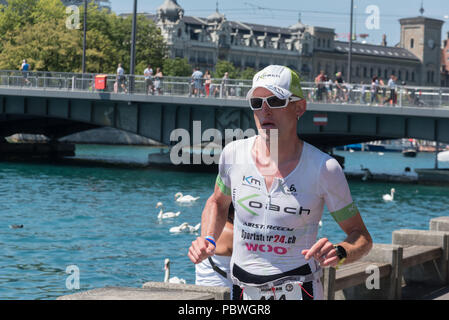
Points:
x=278, y=188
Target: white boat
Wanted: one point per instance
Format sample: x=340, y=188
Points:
x=443, y=156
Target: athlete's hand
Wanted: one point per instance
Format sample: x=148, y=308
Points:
x=200, y=250
x=323, y=251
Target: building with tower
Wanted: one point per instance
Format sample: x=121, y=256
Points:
x=415, y=60
x=422, y=37
x=418, y=58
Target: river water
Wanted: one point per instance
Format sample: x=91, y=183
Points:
x=104, y=221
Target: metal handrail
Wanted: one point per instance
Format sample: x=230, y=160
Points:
x=354, y=93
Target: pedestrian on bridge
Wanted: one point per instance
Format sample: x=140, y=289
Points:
x=374, y=89
x=319, y=82
x=24, y=68
x=207, y=82
x=148, y=74
x=197, y=77
x=392, y=85
x=121, y=78
x=158, y=77
x=225, y=85
x=340, y=94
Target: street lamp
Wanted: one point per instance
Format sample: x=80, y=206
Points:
x=84, y=37
x=133, y=48
x=350, y=44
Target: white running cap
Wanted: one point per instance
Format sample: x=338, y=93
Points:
x=281, y=81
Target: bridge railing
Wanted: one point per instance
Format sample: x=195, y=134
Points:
x=401, y=96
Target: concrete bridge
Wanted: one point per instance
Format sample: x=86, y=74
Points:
x=59, y=112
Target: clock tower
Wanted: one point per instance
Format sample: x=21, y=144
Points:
x=422, y=37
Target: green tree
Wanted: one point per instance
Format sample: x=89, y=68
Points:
x=40, y=35
x=16, y=15
x=177, y=67
x=36, y=30
x=247, y=74
x=44, y=45
x=115, y=45
x=223, y=66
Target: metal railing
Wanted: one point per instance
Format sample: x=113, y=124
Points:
x=365, y=94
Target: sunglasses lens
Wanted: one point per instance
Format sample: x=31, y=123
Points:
x=275, y=102
x=256, y=103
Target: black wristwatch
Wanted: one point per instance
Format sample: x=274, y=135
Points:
x=341, y=252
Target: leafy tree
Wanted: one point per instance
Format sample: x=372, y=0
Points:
x=223, y=66
x=45, y=47
x=36, y=30
x=116, y=45
x=16, y=15
x=150, y=44
x=248, y=73
x=42, y=39
x=177, y=67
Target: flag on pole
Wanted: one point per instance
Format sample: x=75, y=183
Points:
x=320, y=119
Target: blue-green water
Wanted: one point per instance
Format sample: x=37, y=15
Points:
x=104, y=220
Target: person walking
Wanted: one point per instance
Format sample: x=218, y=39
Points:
x=374, y=89
x=279, y=185
x=392, y=86
x=207, y=82
x=24, y=68
x=148, y=74
x=340, y=91
x=158, y=77
x=319, y=82
x=224, y=85
x=121, y=78
x=197, y=77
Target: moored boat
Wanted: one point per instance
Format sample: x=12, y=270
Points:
x=409, y=152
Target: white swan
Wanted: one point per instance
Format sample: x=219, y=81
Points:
x=167, y=274
x=165, y=215
x=185, y=199
x=389, y=197
x=185, y=227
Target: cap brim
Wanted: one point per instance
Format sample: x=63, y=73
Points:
x=279, y=92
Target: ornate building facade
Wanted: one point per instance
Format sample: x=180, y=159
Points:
x=307, y=49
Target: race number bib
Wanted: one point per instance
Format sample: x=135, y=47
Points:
x=289, y=290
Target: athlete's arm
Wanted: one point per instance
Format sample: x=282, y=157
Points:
x=358, y=241
x=213, y=220
x=335, y=191
x=357, y=244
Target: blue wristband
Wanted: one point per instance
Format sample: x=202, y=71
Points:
x=211, y=240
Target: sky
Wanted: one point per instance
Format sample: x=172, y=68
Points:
x=324, y=13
